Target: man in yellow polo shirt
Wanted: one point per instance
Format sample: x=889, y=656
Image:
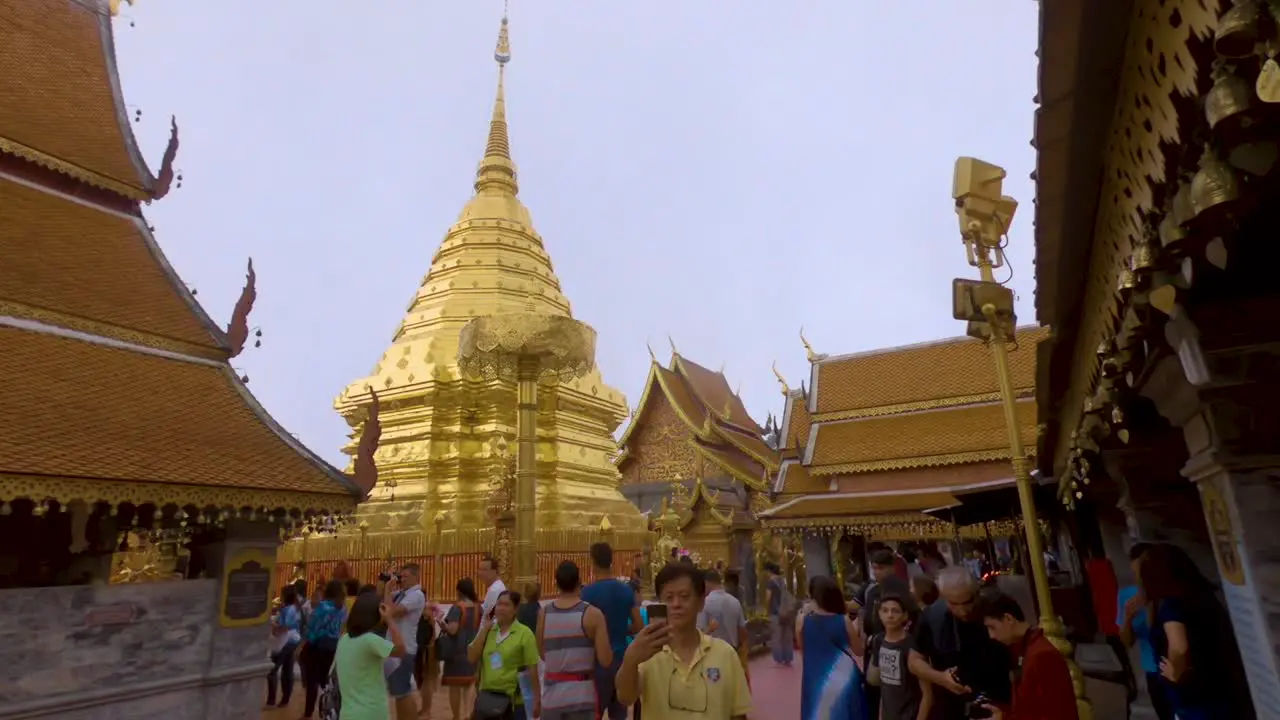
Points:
x=675, y=671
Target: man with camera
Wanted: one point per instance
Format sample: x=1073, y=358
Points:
x=402, y=592
x=953, y=651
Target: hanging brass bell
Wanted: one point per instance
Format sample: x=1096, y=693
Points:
x=1228, y=103
x=1214, y=195
x=1126, y=282
x=1237, y=32
x=1143, y=258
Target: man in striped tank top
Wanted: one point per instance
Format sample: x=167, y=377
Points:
x=572, y=639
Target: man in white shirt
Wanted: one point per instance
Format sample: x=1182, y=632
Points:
x=488, y=574
x=407, y=603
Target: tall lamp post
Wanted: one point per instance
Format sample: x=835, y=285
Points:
x=987, y=306
x=529, y=348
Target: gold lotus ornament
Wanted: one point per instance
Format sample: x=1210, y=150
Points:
x=1214, y=194
x=1237, y=33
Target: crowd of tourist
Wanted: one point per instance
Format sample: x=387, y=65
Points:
x=911, y=645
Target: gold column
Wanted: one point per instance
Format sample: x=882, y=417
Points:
x=526, y=562
x=985, y=215
x=529, y=348
x=437, y=562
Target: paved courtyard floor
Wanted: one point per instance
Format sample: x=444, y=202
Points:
x=774, y=690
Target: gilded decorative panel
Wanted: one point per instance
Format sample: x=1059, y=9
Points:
x=661, y=448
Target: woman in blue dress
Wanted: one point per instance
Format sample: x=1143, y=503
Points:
x=831, y=687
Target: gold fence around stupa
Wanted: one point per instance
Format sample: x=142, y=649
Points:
x=448, y=556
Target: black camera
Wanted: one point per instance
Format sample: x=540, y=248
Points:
x=388, y=577
x=976, y=708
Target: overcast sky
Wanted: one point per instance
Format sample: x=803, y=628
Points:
x=720, y=172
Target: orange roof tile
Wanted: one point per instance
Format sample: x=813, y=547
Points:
x=712, y=388
x=748, y=471
x=682, y=399
x=796, y=433
x=92, y=264
x=61, y=93
x=918, y=439
x=80, y=409
x=841, y=504
x=920, y=376
x=796, y=480
x=752, y=445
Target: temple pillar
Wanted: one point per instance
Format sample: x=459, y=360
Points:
x=817, y=555
x=237, y=659
x=1221, y=390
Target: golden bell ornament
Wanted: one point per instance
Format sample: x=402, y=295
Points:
x=1126, y=282
x=1237, y=34
x=1143, y=258
x=1228, y=103
x=1171, y=230
x=1215, y=192
x=1267, y=86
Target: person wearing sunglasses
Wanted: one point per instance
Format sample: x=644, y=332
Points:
x=677, y=672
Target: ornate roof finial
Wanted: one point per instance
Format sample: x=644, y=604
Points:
x=365, y=471
x=808, y=349
x=674, y=351
x=164, y=178
x=238, y=328
x=781, y=380
x=652, y=356
x=497, y=171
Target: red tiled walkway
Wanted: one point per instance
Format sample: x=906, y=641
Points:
x=775, y=691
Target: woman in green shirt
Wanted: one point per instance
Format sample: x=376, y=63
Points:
x=360, y=657
x=502, y=650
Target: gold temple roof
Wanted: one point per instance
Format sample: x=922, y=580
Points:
x=946, y=436
x=727, y=436
x=86, y=268
x=867, y=503
x=176, y=430
x=955, y=371
x=712, y=388
x=62, y=105
x=858, y=504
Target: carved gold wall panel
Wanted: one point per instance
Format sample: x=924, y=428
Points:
x=660, y=448
x=1158, y=63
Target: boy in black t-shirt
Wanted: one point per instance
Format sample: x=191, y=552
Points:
x=902, y=695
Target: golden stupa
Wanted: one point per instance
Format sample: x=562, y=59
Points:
x=446, y=436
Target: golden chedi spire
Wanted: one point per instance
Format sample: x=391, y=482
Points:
x=497, y=172
x=441, y=428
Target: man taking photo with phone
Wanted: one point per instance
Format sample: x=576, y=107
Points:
x=675, y=671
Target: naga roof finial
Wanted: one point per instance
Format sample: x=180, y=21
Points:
x=238, y=327
x=781, y=380
x=365, y=472
x=671, y=340
x=164, y=178
x=652, y=356
x=808, y=349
